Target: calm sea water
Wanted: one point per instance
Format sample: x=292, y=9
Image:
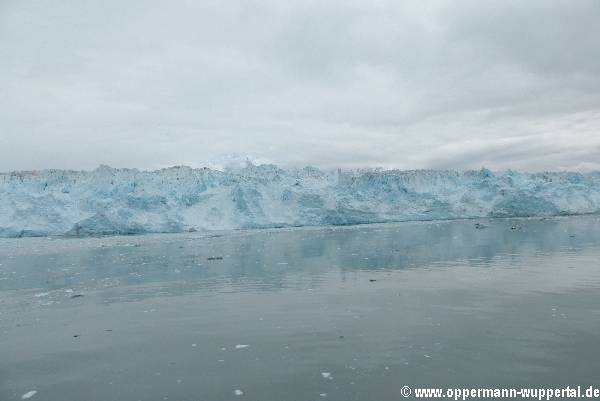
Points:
x=345, y=313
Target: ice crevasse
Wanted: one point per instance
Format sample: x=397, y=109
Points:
x=177, y=199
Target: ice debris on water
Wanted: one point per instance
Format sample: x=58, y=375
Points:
x=240, y=346
x=182, y=199
x=28, y=394
x=326, y=375
x=238, y=392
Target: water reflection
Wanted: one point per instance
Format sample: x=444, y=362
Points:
x=378, y=306
x=268, y=260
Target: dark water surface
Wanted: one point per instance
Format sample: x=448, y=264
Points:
x=345, y=313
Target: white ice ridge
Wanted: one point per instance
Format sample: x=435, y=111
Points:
x=127, y=201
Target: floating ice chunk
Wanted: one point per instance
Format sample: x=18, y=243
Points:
x=238, y=392
x=28, y=394
x=240, y=346
x=323, y=395
x=41, y=294
x=326, y=375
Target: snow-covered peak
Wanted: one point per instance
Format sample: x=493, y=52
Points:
x=233, y=161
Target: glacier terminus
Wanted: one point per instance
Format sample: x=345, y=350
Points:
x=109, y=201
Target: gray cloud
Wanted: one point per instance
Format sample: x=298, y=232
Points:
x=501, y=84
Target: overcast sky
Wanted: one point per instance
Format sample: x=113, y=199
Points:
x=396, y=84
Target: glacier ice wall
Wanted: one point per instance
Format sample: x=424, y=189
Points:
x=127, y=201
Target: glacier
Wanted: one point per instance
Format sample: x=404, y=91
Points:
x=108, y=201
